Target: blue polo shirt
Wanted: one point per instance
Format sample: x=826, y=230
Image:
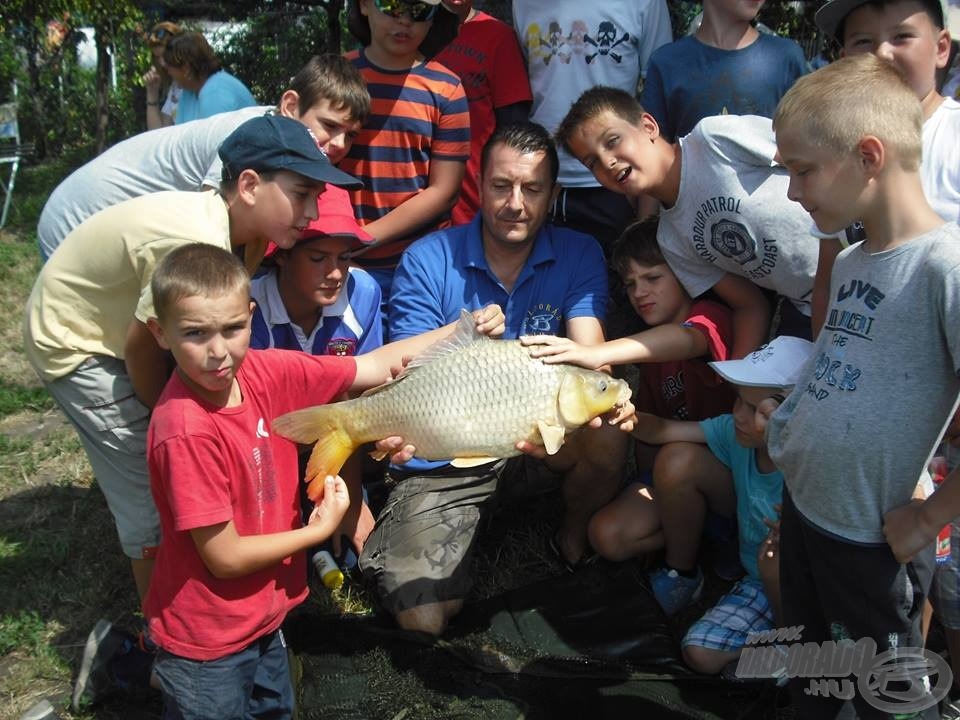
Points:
x=564, y=277
x=351, y=326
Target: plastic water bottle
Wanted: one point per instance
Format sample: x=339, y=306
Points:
x=330, y=574
x=939, y=469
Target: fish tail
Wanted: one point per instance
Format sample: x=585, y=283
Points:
x=328, y=456
x=323, y=425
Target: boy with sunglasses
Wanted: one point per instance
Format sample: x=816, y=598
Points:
x=410, y=154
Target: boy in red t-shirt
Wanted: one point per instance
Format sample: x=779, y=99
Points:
x=231, y=563
x=684, y=334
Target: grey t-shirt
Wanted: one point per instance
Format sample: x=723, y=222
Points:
x=179, y=157
x=732, y=213
x=860, y=426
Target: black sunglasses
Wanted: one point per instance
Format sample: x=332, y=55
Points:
x=418, y=11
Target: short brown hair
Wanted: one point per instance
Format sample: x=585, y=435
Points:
x=196, y=269
x=637, y=242
x=192, y=50
x=841, y=103
x=334, y=78
x=594, y=102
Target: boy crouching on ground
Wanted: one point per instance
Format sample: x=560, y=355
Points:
x=231, y=565
x=850, y=453
x=736, y=441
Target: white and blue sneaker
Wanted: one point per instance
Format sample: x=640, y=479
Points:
x=674, y=591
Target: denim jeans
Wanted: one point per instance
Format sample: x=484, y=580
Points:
x=251, y=683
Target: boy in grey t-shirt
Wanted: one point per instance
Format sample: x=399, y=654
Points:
x=889, y=342
x=726, y=224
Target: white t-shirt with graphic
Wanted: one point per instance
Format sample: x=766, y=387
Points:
x=732, y=213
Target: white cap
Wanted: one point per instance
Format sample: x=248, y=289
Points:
x=777, y=364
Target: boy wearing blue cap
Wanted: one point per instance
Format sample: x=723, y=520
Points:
x=85, y=327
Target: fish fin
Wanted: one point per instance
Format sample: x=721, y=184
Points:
x=463, y=335
x=328, y=456
x=570, y=400
x=304, y=426
x=384, y=386
x=320, y=424
x=471, y=461
x=552, y=436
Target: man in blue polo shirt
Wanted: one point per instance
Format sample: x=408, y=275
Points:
x=548, y=281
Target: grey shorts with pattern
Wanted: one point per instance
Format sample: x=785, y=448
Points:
x=420, y=550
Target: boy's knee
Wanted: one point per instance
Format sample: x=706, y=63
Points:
x=674, y=466
x=704, y=660
x=605, y=535
x=431, y=618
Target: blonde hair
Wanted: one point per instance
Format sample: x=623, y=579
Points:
x=838, y=105
x=196, y=269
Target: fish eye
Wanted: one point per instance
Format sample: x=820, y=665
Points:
x=603, y=386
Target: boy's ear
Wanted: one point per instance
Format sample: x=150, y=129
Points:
x=157, y=331
x=290, y=104
x=247, y=185
x=943, y=48
x=872, y=154
x=648, y=123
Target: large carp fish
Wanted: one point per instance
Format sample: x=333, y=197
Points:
x=467, y=397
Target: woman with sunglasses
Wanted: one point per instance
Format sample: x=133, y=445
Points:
x=207, y=89
x=412, y=149
x=157, y=82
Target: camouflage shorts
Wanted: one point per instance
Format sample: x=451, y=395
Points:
x=419, y=552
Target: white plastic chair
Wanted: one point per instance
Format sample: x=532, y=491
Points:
x=11, y=152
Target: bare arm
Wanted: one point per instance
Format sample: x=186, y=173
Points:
x=829, y=249
x=658, y=344
x=229, y=555
x=751, y=313
x=424, y=208
x=147, y=363
x=660, y=431
x=911, y=527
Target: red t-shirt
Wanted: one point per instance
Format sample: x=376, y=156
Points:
x=486, y=56
x=690, y=389
x=209, y=465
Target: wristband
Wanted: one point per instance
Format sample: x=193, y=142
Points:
x=153, y=104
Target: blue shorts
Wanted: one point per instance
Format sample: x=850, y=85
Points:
x=251, y=683
x=727, y=625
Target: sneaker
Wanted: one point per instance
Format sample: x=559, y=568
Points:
x=674, y=591
x=95, y=680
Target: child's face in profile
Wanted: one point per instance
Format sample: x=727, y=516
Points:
x=655, y=293
x=621, y=156
x=826, y=183
x=313, y=273
x=901, y=33
x=283, y=207
x=746, y=428
x=209, y=338
x=334, y=128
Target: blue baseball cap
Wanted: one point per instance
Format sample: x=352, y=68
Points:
x=832, y=14
x=274, y=142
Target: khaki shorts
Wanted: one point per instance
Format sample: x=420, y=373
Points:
x=99, y=401
x=420, y=549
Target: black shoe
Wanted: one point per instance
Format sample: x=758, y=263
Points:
x=95, y=680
